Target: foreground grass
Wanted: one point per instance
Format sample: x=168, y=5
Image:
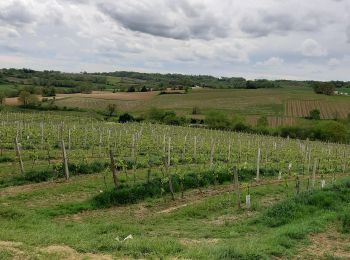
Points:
x=201, y=226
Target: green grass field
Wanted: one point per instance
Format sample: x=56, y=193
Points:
x=202, y=225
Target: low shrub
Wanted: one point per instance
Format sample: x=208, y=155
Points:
x=156, y=187
x=330, y=199
x=4, y=159
x=345, y=222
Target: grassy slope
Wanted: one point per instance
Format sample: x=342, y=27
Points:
x=202, y=226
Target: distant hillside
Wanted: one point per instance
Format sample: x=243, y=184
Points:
x=12, y=80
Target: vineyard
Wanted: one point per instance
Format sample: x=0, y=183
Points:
x=329, y=110
x=67, y=173
x=39, y=139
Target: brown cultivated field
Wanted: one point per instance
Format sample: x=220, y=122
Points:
x=329, y=110
x=274, y=121
x=14, y=100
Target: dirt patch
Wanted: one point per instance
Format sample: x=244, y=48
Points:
x=69, y=253
x=194, y=242
x=13, y=190
x=325, y=245
x=21, y=251
x=168, y=210
x=12, y=247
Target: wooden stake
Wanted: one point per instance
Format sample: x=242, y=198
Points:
x=65, y=160
x=168, y=170
x=258, y=165
x=113, y=169
x=212, y=150
x=18, y=153
x=314, y=174
x=237, y=189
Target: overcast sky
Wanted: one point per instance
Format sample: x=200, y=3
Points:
x=294, y=39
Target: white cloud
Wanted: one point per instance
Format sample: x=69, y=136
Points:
x=333, y=62
x=271, y=62
x=311, y=48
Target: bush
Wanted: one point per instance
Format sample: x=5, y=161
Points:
x=87, y=168
x=331, y=131
x=195, y=111
x=263, y=122
x=124, y=118
x=326, y=88
x=345, y=222
x=4, y=159
x=165, y=116
x=308, y=203
x=315, y=114
x=218, y=120
x=39, y=176
x=131, y=89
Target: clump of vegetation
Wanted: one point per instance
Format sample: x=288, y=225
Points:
x=159, y=186
x=331, y=199
x=345, y=221
x=28, y=99
x=263, y=122
x=131, y=89
x=315, y=114
x=2, y=97
x=111, y=109
x=168, y=117
x=195, y=110
x=37, y=175
x=126, y=117
x=326, y=88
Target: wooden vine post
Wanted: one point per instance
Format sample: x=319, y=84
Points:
x=168, y=169
x=258, y=165
x=65, y=160
x=314, y=174
x=113, y=169
x=212, y=150
x=19, y=157
x=237, y=188
x=195, y=149
x=344, y=163
x=297, y=185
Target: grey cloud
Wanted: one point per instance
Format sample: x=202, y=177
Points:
x=177, y=20
x=268, y=22
x=16, y=13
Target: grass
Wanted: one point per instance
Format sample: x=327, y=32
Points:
x=201, y=226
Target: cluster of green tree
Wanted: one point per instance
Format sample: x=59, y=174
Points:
x=65, y=82
x=330, y=130
x=326, y=88
x=161, y=81
x=135, y=81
